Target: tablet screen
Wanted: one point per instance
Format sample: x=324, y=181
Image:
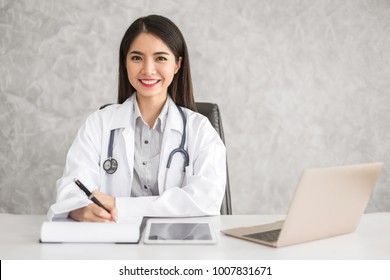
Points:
x=160, y=232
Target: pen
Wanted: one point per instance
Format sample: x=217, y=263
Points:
x=90, y=195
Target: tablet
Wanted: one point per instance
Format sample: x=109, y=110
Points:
x=182, y=232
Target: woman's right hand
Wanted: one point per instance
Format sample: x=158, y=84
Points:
x=93, y=213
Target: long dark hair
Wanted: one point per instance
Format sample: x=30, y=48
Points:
x=181, y=87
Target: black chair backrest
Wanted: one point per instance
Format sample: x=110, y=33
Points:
x=211, y=111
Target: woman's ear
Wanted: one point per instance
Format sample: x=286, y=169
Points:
x=178, y=65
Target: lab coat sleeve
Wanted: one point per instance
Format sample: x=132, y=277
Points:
x=82, y=162
x=204, y=187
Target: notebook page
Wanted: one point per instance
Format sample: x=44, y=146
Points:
x=124, y=231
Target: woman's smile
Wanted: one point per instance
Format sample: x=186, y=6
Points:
x=149, y=83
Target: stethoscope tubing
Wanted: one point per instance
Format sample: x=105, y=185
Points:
x=111, y=144
x=110, y=165
x=181, y=147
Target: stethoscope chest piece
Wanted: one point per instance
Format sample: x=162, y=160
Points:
x=110, y=165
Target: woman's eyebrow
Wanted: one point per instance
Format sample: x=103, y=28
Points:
x=156, y=53
x=160, y=53
x=135, y=52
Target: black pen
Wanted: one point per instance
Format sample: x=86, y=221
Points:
x=90, y=195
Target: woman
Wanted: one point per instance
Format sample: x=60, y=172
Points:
x=123, y=151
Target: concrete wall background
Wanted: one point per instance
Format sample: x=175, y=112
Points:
x=299, y=83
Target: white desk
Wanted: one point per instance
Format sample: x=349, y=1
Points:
x=19, y=237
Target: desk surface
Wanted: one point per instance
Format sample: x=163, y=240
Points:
x=19, y=237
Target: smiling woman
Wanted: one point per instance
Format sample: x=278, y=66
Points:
x=164, y=159
x=151, y=67
x=160, y=39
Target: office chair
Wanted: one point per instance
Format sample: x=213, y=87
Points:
x=211, y=111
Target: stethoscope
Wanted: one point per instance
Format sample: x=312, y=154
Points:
x=110, y=165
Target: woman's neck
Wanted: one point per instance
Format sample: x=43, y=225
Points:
x=150, y=108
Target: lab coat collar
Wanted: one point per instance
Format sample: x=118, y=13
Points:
x=125, y=113
x=174, y=120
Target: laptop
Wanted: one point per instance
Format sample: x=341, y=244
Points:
x=327, y=202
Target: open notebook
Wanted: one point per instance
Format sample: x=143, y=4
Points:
x=124, y=231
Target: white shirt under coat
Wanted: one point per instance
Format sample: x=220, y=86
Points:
x=147, y=152
x=204, y=181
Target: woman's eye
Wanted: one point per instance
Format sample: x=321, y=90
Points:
x=161, y=58
x=135, y=57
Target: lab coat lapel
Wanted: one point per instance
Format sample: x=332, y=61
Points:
x=171, y=140
x=124, y=119
x=128, y=137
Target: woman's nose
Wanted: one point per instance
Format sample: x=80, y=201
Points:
x=149, y=68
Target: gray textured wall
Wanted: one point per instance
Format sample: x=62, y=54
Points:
x=300, y=84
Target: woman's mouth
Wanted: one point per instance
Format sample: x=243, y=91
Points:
x=149, y=82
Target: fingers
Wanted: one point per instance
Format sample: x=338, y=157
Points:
x=99, y=214
x=114, y=214
x=92, y=213
x=107, y=200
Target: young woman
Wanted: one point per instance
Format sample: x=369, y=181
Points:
x=151, y=154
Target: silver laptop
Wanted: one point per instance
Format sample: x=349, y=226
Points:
x=327, y=202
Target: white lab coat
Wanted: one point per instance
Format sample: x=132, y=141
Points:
x=204, y=181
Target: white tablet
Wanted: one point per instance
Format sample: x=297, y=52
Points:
x=179, y=232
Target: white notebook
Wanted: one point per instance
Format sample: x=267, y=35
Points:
x=67, y=230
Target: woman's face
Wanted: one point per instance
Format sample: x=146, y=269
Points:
x=151, y=66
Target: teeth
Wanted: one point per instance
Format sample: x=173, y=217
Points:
x=149, y=82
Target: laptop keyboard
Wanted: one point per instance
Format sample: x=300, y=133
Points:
x=269, y=236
